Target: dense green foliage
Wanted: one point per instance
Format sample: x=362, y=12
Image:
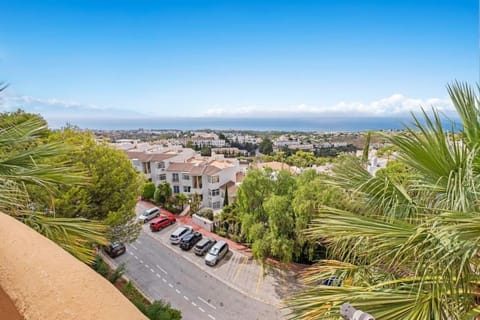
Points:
x=301, y=159
x=114, y=186
x=266, y=146
x=159, y=310
x=162, y=194
x=410, y=251
x=33, y=172
x=148, y=191
x=272, y=209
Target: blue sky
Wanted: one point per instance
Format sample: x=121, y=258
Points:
x=235, y=58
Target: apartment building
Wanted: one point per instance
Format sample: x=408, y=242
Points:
x=206, y=177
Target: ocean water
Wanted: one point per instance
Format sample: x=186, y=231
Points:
x=258, y=124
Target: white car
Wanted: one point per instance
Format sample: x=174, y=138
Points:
x=179, y=233
x=149, y=214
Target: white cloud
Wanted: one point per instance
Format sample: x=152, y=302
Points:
x=395, y=105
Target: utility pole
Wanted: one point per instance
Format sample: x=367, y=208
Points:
x=348, y=312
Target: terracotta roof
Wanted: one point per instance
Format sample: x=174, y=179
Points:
x=211, y=170
x=147, y=157
x=198, y=170
x=180, y=166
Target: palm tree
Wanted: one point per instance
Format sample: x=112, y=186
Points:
x=411, y=249
x=24, y=162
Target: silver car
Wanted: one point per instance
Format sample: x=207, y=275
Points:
x=179, y=233
x=216, y=253
x=149, y=214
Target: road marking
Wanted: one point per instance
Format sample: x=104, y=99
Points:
x=164, y=280
x=178, y=291
x=241, y=263
x=186, y=298
x=136, y=257
x=158, y=275
x=194, y=304
x=161, y=269
x=211, y=317
x=141, y=261
x=170, y=285
x=260, y=278
x=133, y=247
x=200, y=308
x=131, y=253
x=146, y=266
x=153, y=271
x=207, y=303
x=138, y=241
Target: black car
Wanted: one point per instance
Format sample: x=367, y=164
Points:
x=203, y=246
x=190, y=240
x=115, y=249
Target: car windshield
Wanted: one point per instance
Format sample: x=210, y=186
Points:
x=214, y=251
x=116, y=245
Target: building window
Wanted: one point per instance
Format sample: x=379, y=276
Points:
x=214, y=192
x=197, y=182
x=216, y=205
x=186, y=189
x=176, y=189
x=213, y=179
x=175, y=177
x=186, y=177
x=161, y=165
x=162, y=177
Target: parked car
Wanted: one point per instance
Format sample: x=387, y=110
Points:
x=161, y=222
x=149, y=214
x=179, y=233
x=190, y=240
x=203, y=246
x=115, y=249
x=216, y=253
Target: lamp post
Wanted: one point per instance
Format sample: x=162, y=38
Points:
x=348, y=312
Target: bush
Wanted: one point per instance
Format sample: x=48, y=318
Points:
x=100, y=266
x=159, y=310
x=208, y=214
x=117, y=274
x=148, y=191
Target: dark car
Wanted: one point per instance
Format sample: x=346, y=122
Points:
x=115, y=249
x=190, y=240
x=203, y=246
x=161, y=222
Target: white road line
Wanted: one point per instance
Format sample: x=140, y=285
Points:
x=161, y=269
x=138, y=241
x=136, y=257
x=153, y=271
x=178, y=291
x=200, y=308
x=141, y=261
x=170, y=285
x=158, y=275
x=164, y=280
x=186, y=298
x=207, y=303
x=146, y=266
x=211, y=317
x=133, y=247
x=131, y=253
x=194, y=304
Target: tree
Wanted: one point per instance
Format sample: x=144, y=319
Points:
x=26, y=162
x=148, y=191
x=181, y=200
x=112, y=193
x=162, y=193
x=225, y=197
x=411, y=250
x=266, y=146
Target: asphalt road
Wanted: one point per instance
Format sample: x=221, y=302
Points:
x=163, y=273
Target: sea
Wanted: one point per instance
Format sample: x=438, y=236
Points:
x=324, y=124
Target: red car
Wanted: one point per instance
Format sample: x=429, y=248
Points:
x=161, y=222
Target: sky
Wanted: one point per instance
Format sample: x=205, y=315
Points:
x=200, y=58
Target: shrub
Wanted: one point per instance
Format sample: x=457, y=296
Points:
x=100, y=266
x=159, y=310
x=148, y=191
x=208, y=214
x=119, y=271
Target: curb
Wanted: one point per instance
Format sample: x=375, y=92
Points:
x=217, y=277
x=110, y=262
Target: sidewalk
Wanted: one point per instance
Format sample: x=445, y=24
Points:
x=239, y=270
